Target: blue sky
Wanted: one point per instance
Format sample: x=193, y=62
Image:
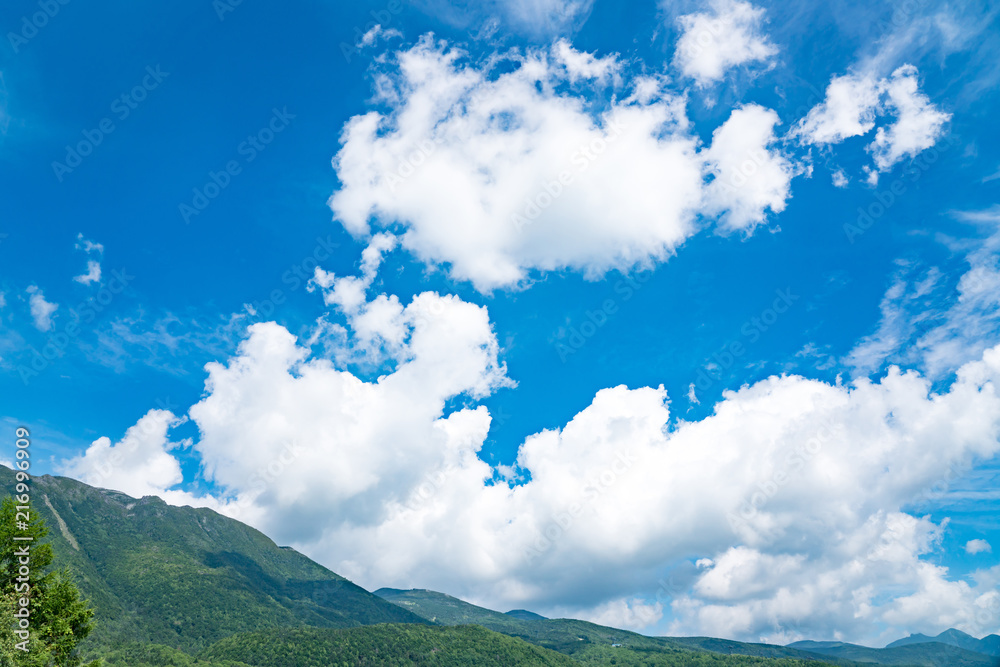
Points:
x=783, y=197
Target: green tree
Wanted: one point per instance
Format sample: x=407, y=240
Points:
x=59, y=618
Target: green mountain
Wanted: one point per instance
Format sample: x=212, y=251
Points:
x=924, y=654
x=989, y=645
x=184, y=577
x=437, y=645
x=591, y=643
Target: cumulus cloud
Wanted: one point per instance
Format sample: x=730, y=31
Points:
x=847, y=111
x=498, y=175
x=750, y=178
x=854, y=102
x=713, y=43
x=974, y=547
x=390, y=490
x=918, y=123
x=41, y=310
x=140, y=464
x=364, y=450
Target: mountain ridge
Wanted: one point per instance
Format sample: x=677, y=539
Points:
x=989, y=645
x=186, y=577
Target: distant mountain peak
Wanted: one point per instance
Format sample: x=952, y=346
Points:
x=987, y=645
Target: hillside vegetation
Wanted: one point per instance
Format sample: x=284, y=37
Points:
x=387, y=645
x=184, y=577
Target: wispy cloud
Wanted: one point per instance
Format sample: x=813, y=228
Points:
x=41, y=310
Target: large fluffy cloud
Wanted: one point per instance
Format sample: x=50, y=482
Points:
x=387, y=486
x=557, y=160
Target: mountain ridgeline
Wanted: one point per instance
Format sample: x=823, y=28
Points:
x=185, y=577
x=185, y=587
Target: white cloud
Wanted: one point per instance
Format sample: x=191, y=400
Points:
x=581, y=65
x=538, y=18
x=854, y=102
x=749, y=179
x=140, y=464
x=501, y=175
x=918, y=125
x=376, y=32
x=847, y=111
x=41, y=310
x=627, y=613
x=377, y=439
x=546, y=16
x=93, y=273
x=974, y=547
x=839, y=179
x=712, y=43
x=87, y=245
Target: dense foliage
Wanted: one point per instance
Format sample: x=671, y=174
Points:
x=387, y=645
x=568, y=636
x=59, y=618
x=154, y=655
x=667, y=656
